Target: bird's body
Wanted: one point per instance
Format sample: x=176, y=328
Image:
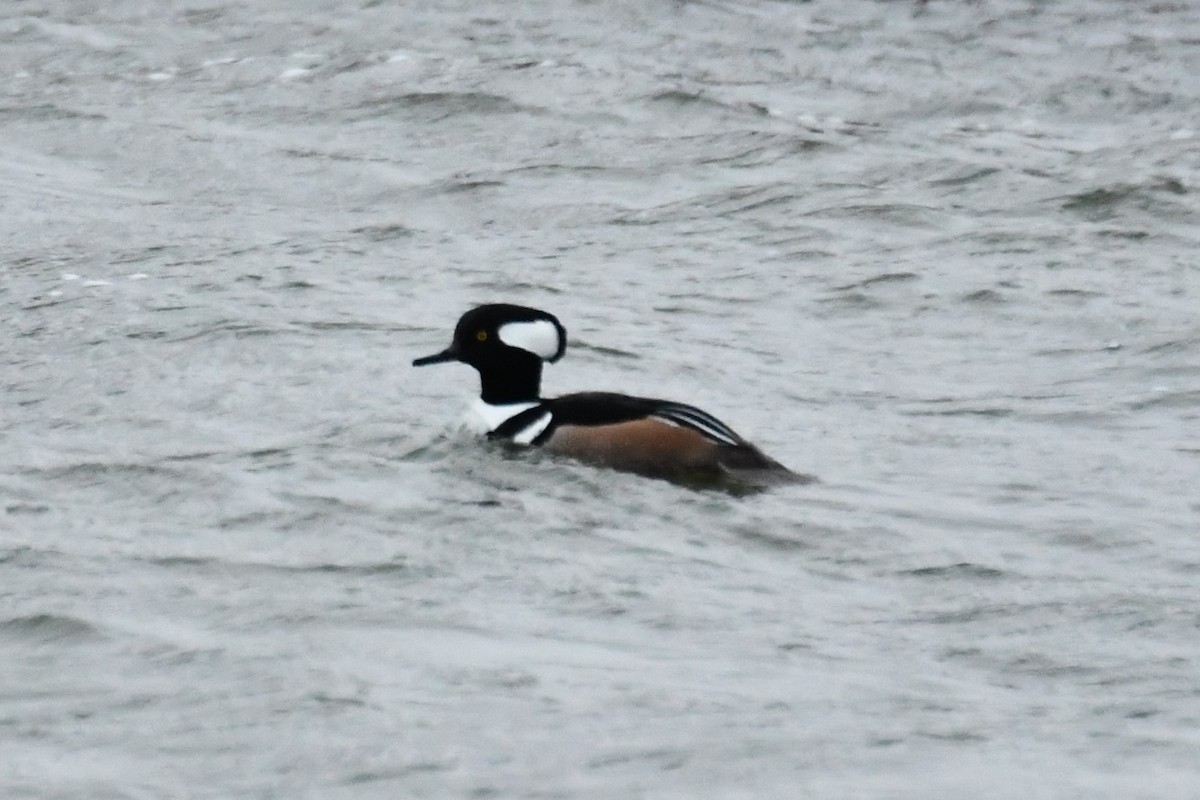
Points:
x=508, y=344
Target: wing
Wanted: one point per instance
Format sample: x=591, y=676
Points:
x=699, y=421
x=606, y=408
x=671, y=438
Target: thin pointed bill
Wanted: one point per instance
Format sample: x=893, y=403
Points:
x=437, y=358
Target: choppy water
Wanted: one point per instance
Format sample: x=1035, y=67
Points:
x=942, y=255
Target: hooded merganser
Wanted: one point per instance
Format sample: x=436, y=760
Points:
x=507, y=345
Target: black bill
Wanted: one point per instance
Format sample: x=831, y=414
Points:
x=437, y=358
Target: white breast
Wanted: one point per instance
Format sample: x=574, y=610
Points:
x=484, y=417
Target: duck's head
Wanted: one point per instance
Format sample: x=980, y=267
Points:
x=507, y=344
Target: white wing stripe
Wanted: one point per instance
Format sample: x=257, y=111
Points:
x=695, y=418
x=703, y=419
x=531, y=431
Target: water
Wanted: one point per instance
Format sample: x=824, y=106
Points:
x=941, y=255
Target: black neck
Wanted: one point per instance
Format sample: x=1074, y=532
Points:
x=519, y=380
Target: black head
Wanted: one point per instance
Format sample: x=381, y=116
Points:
x=507, y=344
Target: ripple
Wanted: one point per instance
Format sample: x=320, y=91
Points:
x=89, y=472
x=908, y=214
x=662, y=758
x=47, y=112
x=985, y=297
x=17, y=509
x=1132, y=235
x=1189, y=398
x=384, y=232
x=1074, y=294
x=463, y=185
x=963, y=570
x=45, y=628
x=417, y=767
x=356, y=325
x=885, y=277
x=957, y=736
x=235, y=329
x=986, y=612
x=965, y=176
x=758, y=535
x=1104, y=202
x=759, y=150
x=1173, y=346
x=961, y=411
x=613, y=351
x=395, y=567
x=732, y=202
x=852, y=300
x=1041, y=664
x=679, y=99
x=435, y=107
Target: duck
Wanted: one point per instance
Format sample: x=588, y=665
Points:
x=508, y=345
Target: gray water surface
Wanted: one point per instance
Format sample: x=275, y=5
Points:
x=941, y=255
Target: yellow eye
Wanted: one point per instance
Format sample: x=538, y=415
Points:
x=481, y=336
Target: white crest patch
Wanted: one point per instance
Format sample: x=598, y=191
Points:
x=539, y=337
